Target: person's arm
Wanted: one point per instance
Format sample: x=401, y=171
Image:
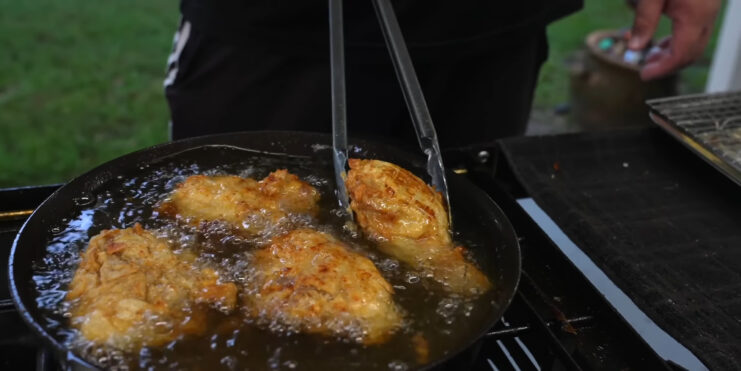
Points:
x=692, y=24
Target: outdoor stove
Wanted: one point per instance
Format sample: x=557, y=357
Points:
x=557, y=320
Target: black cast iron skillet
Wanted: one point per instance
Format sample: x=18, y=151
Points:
x=498, y=255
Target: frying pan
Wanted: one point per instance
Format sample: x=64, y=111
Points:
x=498, y=256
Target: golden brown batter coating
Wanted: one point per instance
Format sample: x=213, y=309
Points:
x=310, y=282
x=131, y=290
x=250, y=206
x=410, y=223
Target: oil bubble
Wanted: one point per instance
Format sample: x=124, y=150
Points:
x=388, y=265
x=398, y=366
x=411, y=277
x=290, y=364
x=230, y=362
x=84, y=199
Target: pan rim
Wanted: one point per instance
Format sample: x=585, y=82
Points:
x=25, y=314
x=510, y=295
x=195, y=142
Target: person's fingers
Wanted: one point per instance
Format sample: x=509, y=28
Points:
x=656, y=65
x=648, y=13
x=704, y=40
x=684, y=46
x=664, y=42
x=655, y=52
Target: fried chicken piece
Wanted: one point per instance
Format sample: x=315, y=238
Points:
x=310, y=282
x=408, y=220
x=131, y=290
x=250, y=206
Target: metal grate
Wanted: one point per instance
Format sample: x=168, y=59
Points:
x=709, y=124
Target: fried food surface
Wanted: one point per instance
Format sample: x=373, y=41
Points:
x=130, y=290
x=250, y=206
x=308, y=281
x=408, y=220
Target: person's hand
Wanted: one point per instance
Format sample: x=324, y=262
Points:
x=692, y=24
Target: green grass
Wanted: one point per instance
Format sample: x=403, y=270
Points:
x=80, y=84
x=81, y=80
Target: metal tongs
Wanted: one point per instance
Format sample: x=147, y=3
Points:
x=423, y=126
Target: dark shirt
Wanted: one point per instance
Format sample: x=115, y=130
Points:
x=434, y=26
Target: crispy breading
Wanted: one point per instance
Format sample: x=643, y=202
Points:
x=310, y=282
x=409, y=221
x=249, y=206
x=130, y=290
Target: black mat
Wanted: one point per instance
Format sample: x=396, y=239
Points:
x=661, y=223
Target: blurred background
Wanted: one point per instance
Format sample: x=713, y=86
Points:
x=81, y=81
